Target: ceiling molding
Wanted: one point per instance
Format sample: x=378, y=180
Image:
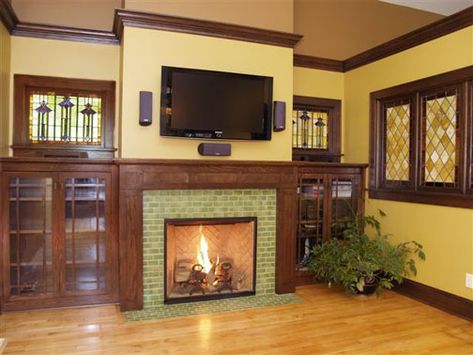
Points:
x=124, y=17
x=64, y=33
x=424, y=34
x=201, y=27
x=7, y=15
x=308, y=61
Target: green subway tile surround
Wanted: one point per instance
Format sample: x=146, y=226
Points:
x=161, y=204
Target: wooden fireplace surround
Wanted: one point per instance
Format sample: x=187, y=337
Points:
x=133, y=176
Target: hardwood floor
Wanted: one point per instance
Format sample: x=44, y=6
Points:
x=327, y=322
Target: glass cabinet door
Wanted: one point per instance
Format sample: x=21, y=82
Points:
x=30, y=235
x=311, y=218
x=344, y=199
x=85, y=234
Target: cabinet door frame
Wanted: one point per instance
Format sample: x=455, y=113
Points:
x=58, y=298
x=5, y=229
x=110, y=268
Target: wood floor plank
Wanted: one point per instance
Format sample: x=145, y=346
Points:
x=327, y=322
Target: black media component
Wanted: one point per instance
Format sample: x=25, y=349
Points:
x=215, y=149
x=279, y=116
x=215, y=105
x=146, y=108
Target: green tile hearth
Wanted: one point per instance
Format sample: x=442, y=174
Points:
x=207, y=307
x=219, y=203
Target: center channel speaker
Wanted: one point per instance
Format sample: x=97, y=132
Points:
x=215, y=149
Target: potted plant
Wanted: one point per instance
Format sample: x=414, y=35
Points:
x=363, y=264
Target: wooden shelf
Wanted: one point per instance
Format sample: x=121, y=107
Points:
x=31, y=231
x=49, y=263
x=29, y=199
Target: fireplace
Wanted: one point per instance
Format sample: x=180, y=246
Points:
x=209, y=258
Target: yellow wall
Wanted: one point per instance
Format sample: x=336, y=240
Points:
x=145, y=51
x=4, y=92
x=63, y=59
x=321, y=83
x=445, y=232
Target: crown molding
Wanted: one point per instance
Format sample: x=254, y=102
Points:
x=201, y=27
x=64, y=33
x=308, y=61
x=424, y=34
x=7, y=15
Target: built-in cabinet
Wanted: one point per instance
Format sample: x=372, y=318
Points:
x=59, y=244
x=326, y=201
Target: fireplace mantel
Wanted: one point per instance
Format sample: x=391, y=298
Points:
x=138, y=175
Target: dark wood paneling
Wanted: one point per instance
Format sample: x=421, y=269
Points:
x=308, y=61
x=131, y=249
x=200, y=27
x=7, y=15
x=64, y=33
x=424, y=34
x=137, y=175
x=445, y=301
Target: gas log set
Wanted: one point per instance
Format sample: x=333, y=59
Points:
x=209, y=258
x=207, y=275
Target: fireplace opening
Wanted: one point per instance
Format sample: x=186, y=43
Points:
x=209, y=258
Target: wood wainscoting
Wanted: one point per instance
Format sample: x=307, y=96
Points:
x=138, y=175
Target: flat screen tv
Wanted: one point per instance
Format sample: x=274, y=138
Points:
x=215, y=105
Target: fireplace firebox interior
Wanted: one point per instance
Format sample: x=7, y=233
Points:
x=209, y=258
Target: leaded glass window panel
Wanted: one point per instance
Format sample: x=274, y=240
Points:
x=59, y=118
x=397, y=123
x=310, y=129
x=440, y=139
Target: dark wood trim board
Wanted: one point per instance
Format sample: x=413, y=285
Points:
x=131, y=18
x=434, y=297
x=424, y=34
x=7, y=15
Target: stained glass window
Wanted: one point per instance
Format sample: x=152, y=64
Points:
x=397, y=123
x=421, y=140
x=440, y=139
x=55, y=118
x=310, y=129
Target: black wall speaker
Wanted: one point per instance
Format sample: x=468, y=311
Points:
x=215, y=149
x=279, y=116
x=146, y=108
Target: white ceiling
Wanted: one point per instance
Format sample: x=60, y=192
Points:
x=442, y=7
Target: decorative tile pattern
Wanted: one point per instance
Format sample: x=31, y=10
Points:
x=309, y=129
x=161, y=204
x=440, y=139
x=207, y=307
x=397, y=142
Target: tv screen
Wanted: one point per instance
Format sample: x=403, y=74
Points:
x=215, y=105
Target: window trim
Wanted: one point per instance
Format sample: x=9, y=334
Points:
x=333, y=106
x=22, y=146
x=414, y=191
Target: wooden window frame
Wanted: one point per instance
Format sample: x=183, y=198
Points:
x=334, y=109
x=22, y=146
x=414, y=190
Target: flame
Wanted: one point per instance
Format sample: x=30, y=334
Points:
x=203, y=254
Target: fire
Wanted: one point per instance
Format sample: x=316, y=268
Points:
x=203, y=254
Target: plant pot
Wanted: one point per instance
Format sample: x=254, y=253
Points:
x=371, y=283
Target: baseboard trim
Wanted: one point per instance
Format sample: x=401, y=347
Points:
x=434, y=297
